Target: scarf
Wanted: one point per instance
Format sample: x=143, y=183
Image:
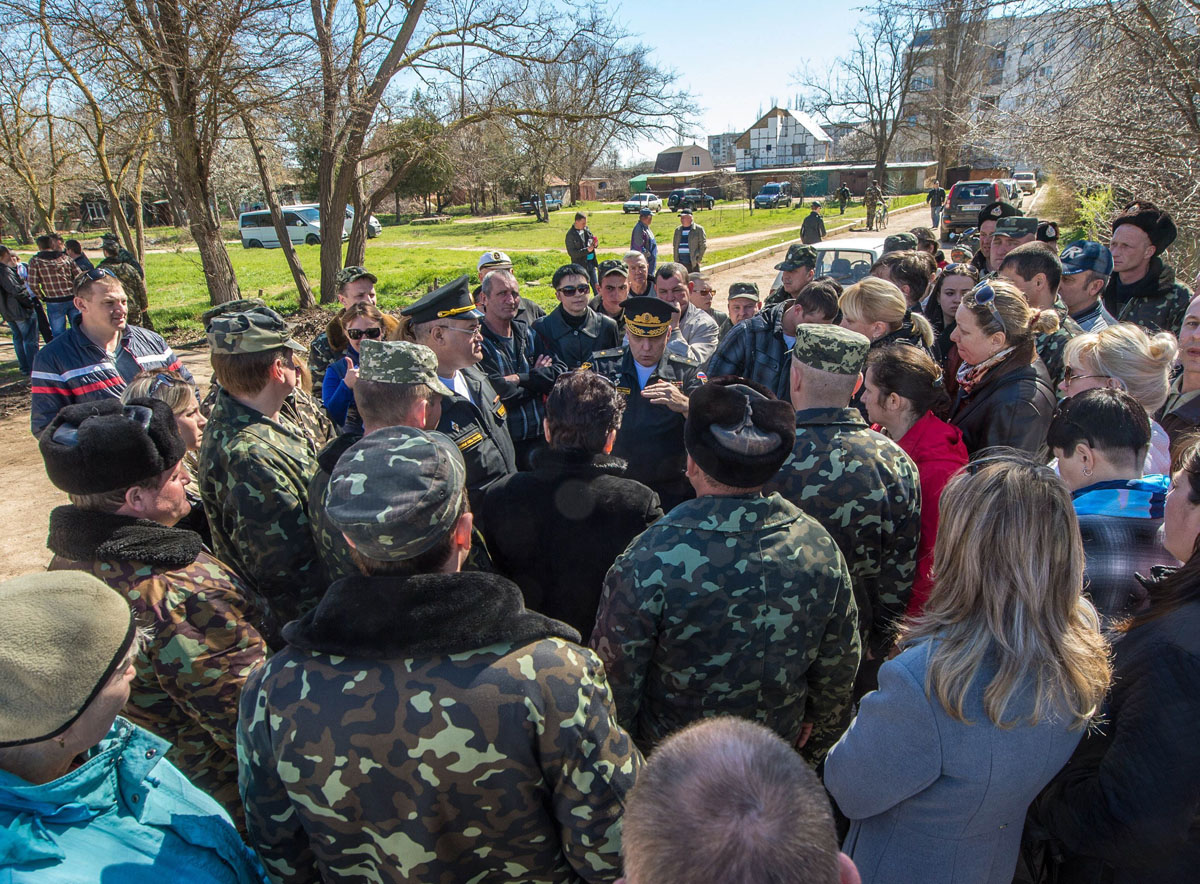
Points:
x=970, y=376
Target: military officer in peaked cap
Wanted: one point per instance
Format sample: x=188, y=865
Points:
x=656, y=385
x=447, y=321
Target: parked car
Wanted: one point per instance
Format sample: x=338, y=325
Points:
x=374, y=228
x=694, y=198
x=303, y=224
x=640, y=201
x=965, y=200
x=553, y=204
x=1026, y=180
x=773, y=195
x=847, y=260
x=1016, y=196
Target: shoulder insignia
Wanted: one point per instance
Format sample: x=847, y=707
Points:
x=624, y=391
x=683, y=360
x=501, y=410
x=469, y=441
x=608, y=354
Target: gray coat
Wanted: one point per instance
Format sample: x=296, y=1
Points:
x=932, y=799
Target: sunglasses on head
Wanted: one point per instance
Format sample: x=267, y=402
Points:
x=985, y=296
x=94, y=275
x=357, y=334
x=162, y=379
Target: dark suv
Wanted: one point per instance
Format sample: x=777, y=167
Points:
x=965, y=200
x=689, y=197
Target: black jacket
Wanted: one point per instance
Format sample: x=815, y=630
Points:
x=1126, y=808
x=1012, y=406
x=574, y=345
x=583, y=513
x=15, y=303
x=477, y=426
x=522, y=400
x=577, y=243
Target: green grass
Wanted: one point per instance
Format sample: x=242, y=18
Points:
x=408, y=259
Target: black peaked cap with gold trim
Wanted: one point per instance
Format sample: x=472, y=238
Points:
x=647, y=317
x=451, y=301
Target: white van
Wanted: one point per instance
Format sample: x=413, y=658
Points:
x=303, y=224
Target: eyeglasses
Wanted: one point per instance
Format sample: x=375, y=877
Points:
x=574, y=290
x=472, y=331
x=985, y=296
x=357, y=334
x=68, y=434
x=94, y=275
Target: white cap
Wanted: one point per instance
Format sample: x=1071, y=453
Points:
x=493, y=259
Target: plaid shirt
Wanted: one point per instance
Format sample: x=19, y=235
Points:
x=52, y=276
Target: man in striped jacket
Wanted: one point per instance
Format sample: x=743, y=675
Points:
x=99, y=357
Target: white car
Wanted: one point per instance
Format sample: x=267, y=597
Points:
x=1026, y=180
x=847, y=260
x=640, y=201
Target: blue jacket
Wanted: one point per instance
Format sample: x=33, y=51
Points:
x=71, y=369
x=337, y=398
x=933, y=799
x=126, y=815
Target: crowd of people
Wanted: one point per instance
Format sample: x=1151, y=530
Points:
x=895, y=582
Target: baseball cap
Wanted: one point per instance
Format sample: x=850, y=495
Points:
x=250, y=331
x=1086, y=255
x=645, y=211
x=1016, y=227
x=349, y=274
x=399, y=362
x=613, y=265
x=798, y=256
x=397, y=492
x=747, y=290
x=899, y=242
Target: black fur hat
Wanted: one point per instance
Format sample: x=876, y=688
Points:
x=738, y=432
x=106, y=445
x=1159, y=226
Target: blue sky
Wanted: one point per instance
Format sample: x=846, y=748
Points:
x=736, y=56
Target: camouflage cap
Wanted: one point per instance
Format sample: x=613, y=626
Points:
x=238, y=306
x=831, y=348
x=1016, y=226
x=615, y=265
x=798, y=256
x=747, y=290
x=397, y=492
x=399, y=362
x=899, y=242
x=250, y=331
x=350, y=274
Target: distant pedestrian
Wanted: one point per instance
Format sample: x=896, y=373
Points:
x=52, y=276
x=17, y=309
x=812, y=231
x=871, y=201
x=123, y=254
x=75, y=250
x=689, y=241
x=642, y=240
x=581, y=248
x=936, y=198
x=843, y=196
x=131, y=281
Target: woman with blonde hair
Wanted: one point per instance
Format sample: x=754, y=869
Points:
x=992, y=691
x=1125, y=357
x=877, y=309
x=1004, y=397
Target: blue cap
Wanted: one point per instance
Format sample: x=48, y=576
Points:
x=1086, y=255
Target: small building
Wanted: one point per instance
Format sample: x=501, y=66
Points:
x=683, y=158
x=597, y=189
x=723, y=148
x=782, y=138
x=557, y=188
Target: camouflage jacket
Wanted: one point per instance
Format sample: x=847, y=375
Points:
x=1156, y=302
x=202, y=647
x=430, y=729
x=135, y=290
x=731, y=606
x=332, y=548
x=320, y=356
x=1051, y=347
x=864, y=489
x=300, y=408
x=253, y=478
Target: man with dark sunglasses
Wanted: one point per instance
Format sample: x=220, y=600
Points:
x=99, y=356
x=574, y=331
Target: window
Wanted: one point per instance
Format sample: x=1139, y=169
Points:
x=922, y=84
x=1045, y=72
x=1027, y=48
x=1048, y=46
x=922, y=39
x=695, y=161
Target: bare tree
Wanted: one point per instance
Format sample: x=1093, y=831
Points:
x=873, y=81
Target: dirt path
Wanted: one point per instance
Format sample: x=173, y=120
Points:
x=25, y=508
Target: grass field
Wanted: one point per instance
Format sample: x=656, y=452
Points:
x=409, y=259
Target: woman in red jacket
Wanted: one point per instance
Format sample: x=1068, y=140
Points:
x=902, y=390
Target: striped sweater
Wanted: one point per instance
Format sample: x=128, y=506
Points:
x=72, y=369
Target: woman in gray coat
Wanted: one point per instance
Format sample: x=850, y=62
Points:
x=993, y=689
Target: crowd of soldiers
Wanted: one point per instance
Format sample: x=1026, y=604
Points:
x=437, y=639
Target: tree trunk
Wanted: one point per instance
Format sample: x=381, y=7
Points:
x=268, y=184
x=356, y=246
x=139, y=184
x=19, y=223
x=333, y=202
x=219, y=275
